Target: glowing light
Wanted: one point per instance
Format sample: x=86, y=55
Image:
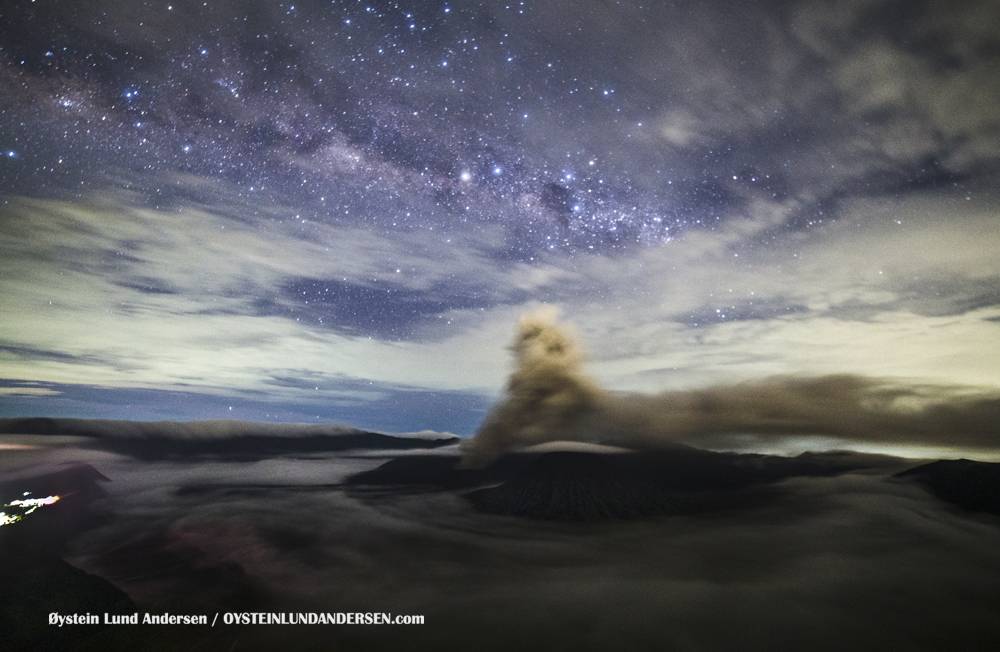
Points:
x=26, y=506
x=33, y=503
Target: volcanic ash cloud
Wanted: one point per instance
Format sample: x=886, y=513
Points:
x=550, y=398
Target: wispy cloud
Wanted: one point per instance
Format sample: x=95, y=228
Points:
x=195, y=298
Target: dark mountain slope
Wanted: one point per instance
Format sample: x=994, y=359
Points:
x=974, y=486
x=564, y=485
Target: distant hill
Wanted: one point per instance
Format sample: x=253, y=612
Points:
x=974, y=486
x=154, y=440
x=582, y=486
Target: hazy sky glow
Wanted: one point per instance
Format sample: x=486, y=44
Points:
x=336, y=211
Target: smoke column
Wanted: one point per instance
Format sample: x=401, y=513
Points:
x=550, y=398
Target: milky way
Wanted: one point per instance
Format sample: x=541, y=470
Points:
x=336, y=210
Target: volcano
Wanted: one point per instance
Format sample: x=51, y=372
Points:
x=973, y=486
x=584, y=486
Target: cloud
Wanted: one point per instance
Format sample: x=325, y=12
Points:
x=902, y=290
x=28, y=391
x=113, y=295
x=882, y=560
x=890, y=291
x=799, y=99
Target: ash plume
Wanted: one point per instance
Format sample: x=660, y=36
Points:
x=549, y=397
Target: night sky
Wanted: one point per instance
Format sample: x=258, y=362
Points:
x=336, y=211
